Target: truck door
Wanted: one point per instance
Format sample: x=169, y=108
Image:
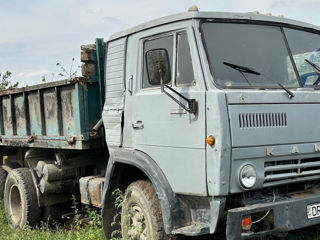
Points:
x=165, y=131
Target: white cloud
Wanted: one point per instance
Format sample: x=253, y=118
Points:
x=28, y=74
x=35, y=35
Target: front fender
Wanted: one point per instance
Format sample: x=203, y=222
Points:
x=172, y=212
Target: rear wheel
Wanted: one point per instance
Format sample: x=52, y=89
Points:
x=141, y=216
x=3, y=177
x=20, y=199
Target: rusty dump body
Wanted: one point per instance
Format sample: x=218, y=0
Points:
x=50, y=115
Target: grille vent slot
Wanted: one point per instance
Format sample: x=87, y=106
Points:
x=262, y=120
x=277, y=171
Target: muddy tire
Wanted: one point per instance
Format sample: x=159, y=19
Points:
x=3, y=177
x=141, y=216
x=20, y=199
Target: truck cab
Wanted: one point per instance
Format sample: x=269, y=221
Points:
x=224, y=105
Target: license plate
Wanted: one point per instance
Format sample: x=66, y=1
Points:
x=313, y=210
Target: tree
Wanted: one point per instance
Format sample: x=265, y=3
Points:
x=5, y=81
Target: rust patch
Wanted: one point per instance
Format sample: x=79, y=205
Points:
x=32, y=138
x=51, y=112
x=20, y=114
x=34, y=112
x=67, y=95
x=71, y=141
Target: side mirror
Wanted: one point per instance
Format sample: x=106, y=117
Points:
x=158, y=70
x=158, y=67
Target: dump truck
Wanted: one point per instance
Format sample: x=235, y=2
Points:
x=198, y=118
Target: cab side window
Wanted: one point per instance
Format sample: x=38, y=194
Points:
x=184, y=72
x=161, y=47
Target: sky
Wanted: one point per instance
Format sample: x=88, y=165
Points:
x=36, y=35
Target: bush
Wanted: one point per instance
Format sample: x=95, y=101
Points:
x=92, y=230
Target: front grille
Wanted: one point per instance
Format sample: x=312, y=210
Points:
x=262, y=120
x=296, y=169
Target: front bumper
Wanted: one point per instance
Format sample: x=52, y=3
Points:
x=288, y=214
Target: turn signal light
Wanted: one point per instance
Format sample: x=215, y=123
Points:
x=210, y=140
x=246, y=223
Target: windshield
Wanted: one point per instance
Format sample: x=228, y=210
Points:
x=305, y=46
x=256, y=56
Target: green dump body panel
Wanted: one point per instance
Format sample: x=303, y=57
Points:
x=51, y=115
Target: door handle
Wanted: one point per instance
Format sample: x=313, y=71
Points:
x=137, y=125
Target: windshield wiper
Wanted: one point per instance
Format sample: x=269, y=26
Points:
x=313, y=65
x=243, y=69
x=317, y=70
x=291, y=94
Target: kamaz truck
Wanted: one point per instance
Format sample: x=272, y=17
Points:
x=199, y=118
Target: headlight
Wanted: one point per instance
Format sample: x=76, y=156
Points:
x=248, y=176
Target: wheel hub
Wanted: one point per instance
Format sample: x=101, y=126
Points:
x=15, y=208
x=137, y=228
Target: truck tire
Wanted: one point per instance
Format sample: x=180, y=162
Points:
x=20, y=199
x=141, y=216
x=3, y=177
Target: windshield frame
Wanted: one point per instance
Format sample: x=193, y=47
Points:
x=256, y=22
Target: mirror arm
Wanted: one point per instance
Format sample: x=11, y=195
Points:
x=161, y=81
x=192, y=103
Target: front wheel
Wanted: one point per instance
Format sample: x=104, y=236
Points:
x=141, y=217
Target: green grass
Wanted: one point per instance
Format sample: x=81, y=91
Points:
x=91, y=231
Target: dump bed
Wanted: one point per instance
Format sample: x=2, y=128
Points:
x=51, y=115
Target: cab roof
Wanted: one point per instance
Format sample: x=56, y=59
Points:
x=212, y=15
